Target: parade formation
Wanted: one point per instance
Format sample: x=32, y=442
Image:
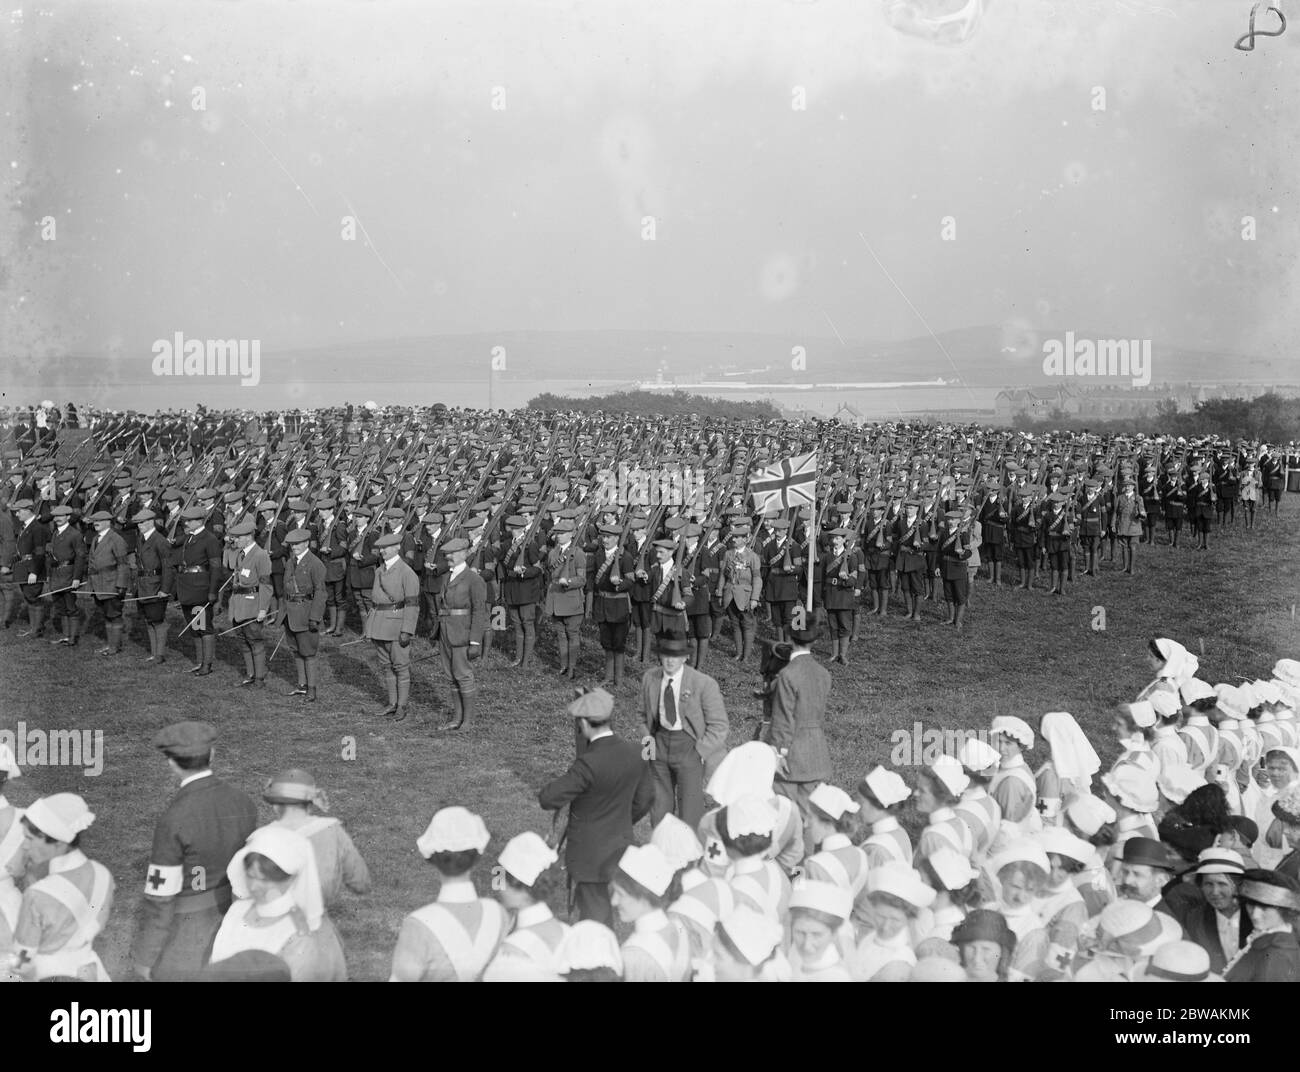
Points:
x=435, y=533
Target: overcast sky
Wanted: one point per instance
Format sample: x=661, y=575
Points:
x=228, y=221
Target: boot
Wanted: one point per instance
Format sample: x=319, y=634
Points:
x=1069, y=565
x=198, y=655
x=209, y=653
x=1175, y=538
x=485, y=644
x=327, y=626
x=340, y=619
x=608, y=678
x=66, y=638
x=835, y=649
x=575, y=646
x=390, y=682
x=457, y=713
x=884, y=606
x=467, y=707
x=960, y=618
x=701, y=652
x=929, y=589
x=403, y=684
x=34, y=615
x=300, y=664
x=249, y=676
x=259, y=667
x=518, y=660
x=161, y=631
x=618, y=667
x=311, y=679
x=530, y=641
x=857, y=616
x=748, y=648
x=875, y=601
x=844, y=650
x=645, y=645
x=562, y=643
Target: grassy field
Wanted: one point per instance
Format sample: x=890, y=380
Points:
x=1022, y=653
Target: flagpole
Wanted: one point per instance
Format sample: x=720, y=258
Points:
x=812, y=554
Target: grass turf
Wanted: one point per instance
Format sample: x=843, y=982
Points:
x=1022, y=653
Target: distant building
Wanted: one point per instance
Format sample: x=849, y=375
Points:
x=847, y=414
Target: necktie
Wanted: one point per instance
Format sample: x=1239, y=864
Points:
x=670, y=706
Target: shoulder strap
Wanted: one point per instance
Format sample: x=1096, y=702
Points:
x=468, y=953
x=84, y=912
x=315, y=825
x=532, y=945
x=657, y=948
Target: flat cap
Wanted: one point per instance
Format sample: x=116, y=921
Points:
x=298, y=536
x=242, y=528
x=186, y=739
x=100, y=515
x=388, y=539
x=194, y=513
x=452, y=546
x=595, y=706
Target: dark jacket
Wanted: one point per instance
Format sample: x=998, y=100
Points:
x=1202, y=928
x=1272, y=958
x=608, y=789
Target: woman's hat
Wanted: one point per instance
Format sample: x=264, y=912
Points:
x=1058, y=841
x=833, y=800
x=1271, y=888
x=588, y=946
x=952, y=868
x=1179, y=962
x=1015, y=728
x=823, y=897
x=291, y=853
x=1216, y=861
x=295, y=787
x=676, y=841
x=902, y=882
x=526, y=856
x=1133, y=787
x=1287, y=805
x=647, y=866
x=886, y=786
x=61, y=816
x=984, y=925
x=453, y=830
x=1138, y=923
x=747, y=768
x=949, y=771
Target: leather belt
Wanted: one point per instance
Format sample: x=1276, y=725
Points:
x=390, y=606
x=457, y=612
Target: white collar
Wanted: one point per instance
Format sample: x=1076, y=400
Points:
x=676, y=679
x=198, y=530
x=195, y=777
x=748, y=865
x=457, y=570
x=885, y=825
x=533, y=915
x=836, y=841
x=457, y=891
x=69, y=861
x=941, y=815
x=305, y=552
x=1018, y=760
x=601, y=735
x=796, y=653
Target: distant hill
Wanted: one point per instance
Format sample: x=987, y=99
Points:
x=976, y=355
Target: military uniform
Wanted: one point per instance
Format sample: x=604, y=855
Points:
x=186, y=888
x=198, y=579
x=305, y=594
x=362, y=560
x=155, y=584
x=610, y=581
x=250, y=601
x=333, y=553
x=566, y=570
x=910, y=558
x=394, y=613
x=29, y=568
x=108, y=575
x=741, y=587
x=67, y=564
x=842, y=574
x=522, y=587
x=462, y=611
x=782, y=561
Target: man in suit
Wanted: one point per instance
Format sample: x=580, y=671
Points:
x=1146, y=868
x=394, y=612
x=686, y=731
x=462, y=609
x=608, y=789
x=798, y=708
x=250, y=598
x=304, y=599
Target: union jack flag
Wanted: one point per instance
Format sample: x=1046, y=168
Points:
x=790, y=482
